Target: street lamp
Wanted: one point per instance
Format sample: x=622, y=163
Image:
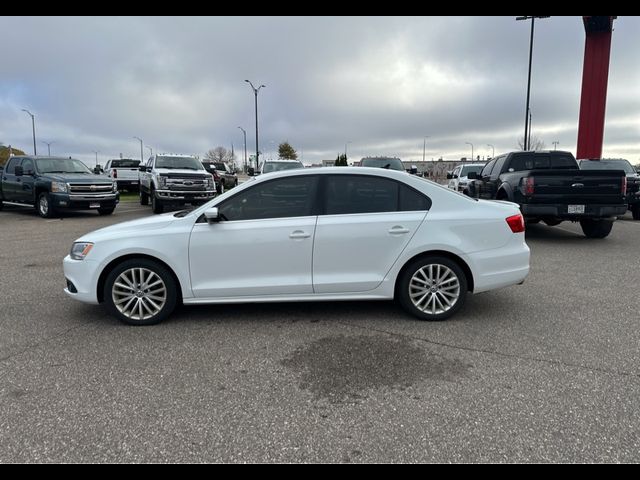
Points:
x=526, y=111
x=255, y=93
x=493, y=150
x=96, y=152
x=150, y=149
x=141, y=150
x=469, y=143
x=48, y=144
x=424, y=149
x=244, y=133
x=33, y=127
x=555, y=144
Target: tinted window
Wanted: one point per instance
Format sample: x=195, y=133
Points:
x=486, y=171
x=411, y=200
x=186, y=163
x=471, y=168
x=11, y=166
x=27, y=165
x=346, y=194
x=497, y=168
x=286, y=197
x=278, y=166
x=383, y=162
x=607, y=165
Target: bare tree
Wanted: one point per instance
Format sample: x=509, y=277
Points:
x=536, y=143
x=219, y=154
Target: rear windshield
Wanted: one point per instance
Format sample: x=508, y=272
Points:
x=125, y=163
x=540, y=161
x=277, y=166
x=390, y=163
x=607, y=165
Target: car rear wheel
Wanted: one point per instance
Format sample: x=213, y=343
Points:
x=596, y=228
x=635, y=212
x=432, y=288
x=140, y=292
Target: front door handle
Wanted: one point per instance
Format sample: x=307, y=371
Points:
x=398, y=230
x=299, y=234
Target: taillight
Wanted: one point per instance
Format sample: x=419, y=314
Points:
x=114, y=173
x=215, y=175
x=624, y=185
x=516, y=223
x=528, y=186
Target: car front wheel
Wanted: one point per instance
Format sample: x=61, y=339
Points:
x=44, y=207
x=140, y=292
x=432, y=288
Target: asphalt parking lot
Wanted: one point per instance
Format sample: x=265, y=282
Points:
x=544, y=372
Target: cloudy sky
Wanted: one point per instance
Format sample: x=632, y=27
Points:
x=381, y=83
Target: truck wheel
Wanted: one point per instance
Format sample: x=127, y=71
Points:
x=44, y=207
x=635, y=211
x=156, y=205
x=1, y=205
x=432, y=288
x=596, y=228
x=140, y=292
x=144, y=198
x=106, y=211
x=235, y=183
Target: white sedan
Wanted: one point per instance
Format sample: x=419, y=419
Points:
x=337, y=233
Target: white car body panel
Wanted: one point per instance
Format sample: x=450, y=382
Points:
x=356, y=258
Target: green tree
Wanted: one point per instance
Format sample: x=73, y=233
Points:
x=341, y=161
x=4, y=153
x=287, y=152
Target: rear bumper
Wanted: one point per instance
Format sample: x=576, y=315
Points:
x=560, y=211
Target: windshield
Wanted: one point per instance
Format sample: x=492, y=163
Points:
x=277, y=166
x=607, y=165
x=470, y=168
x=185, y=163
x=383, y=162
x=125, y=163
x=61, y=165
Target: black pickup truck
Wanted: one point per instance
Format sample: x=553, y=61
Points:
x=549, y=186
x=50, y=184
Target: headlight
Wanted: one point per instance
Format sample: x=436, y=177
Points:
x=162, y=181
x=210, y=182
x=59, y=187
x=80, y=250
x=115, y=187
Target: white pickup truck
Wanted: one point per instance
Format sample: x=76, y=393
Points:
x=125, y=172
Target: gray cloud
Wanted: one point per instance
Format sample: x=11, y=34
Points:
x=380, y=83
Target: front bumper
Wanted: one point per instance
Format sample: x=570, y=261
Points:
x=185, y=196
x=561, y=211
x=83, y=277
x=84, y=202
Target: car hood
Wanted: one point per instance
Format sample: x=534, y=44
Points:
x=78, y=177
x=143, y=224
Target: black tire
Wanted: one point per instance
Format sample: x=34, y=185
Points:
x=596, y=228
x=106, y=211
x=552, y=222
x=406, y=288
x=635, y=211
x=221, y=189
x=235, y=183
x=1, y=205
x=44, y=207
x=156, y=205
x=144, y=198
x=170, y=289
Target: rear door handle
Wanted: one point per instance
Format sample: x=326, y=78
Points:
x=299, y=234
x=398, y=230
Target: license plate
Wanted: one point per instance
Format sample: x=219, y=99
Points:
x=575, y=209
x=94, y=205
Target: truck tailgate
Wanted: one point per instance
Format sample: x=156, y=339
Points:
x=578, y=186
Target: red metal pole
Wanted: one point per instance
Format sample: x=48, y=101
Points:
x=595, y=75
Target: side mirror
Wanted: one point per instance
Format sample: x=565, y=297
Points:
x=449, y=176
x=18, y=171
x=142, y=168
x=473, y=176
x=251, y=172
x=97, y=170
x=212, y=215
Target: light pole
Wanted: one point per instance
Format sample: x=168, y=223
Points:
x=141, y=150
x=150, y=149
x=96, y=152
x=469, y=143
x=33, y=127
x=244, y=133
x=526, y=111
x=493, y=150
x=424, y=149
x=255, y=93
x=555, y=144
x=48, y=144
